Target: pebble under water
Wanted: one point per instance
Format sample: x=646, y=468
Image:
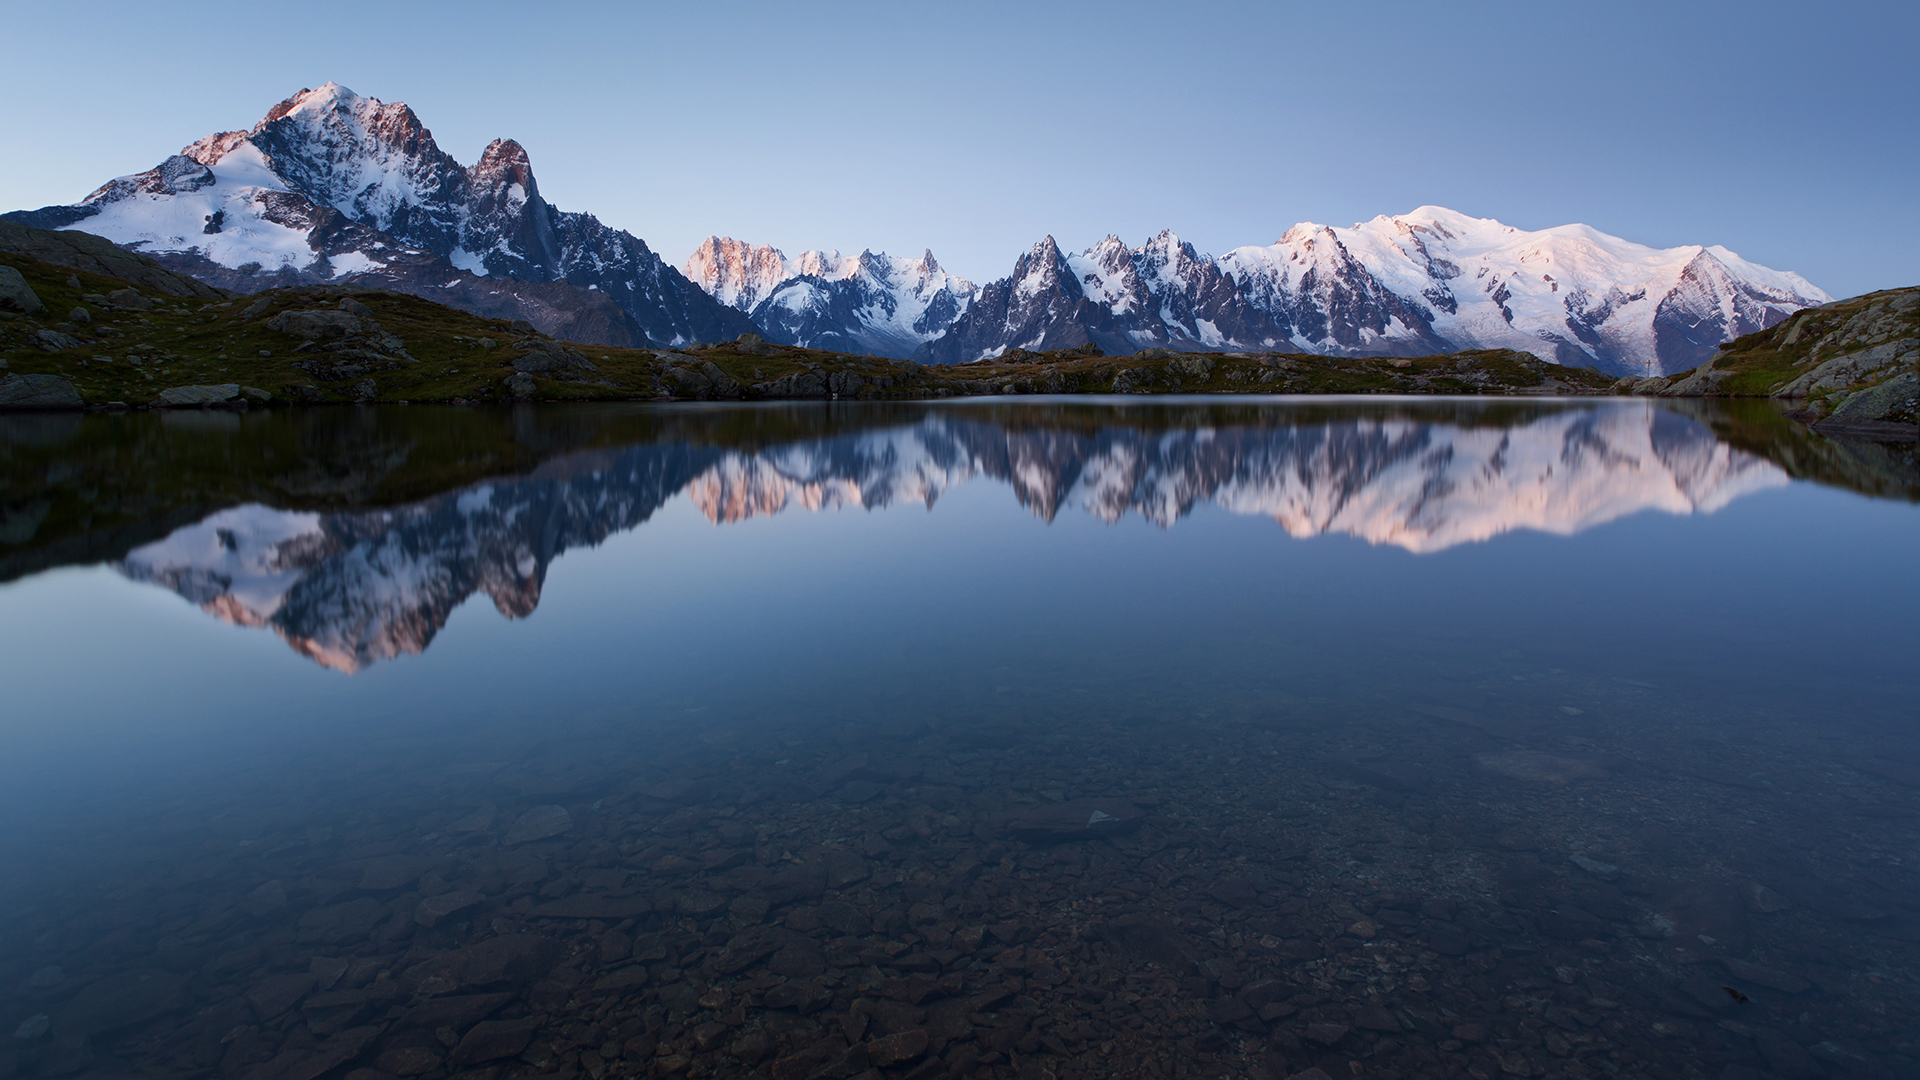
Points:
x=984, y=739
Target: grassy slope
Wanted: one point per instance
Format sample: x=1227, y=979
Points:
x=1767, y=363
x=195, y=342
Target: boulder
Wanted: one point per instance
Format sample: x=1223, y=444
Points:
x=703, y=380
x=552, y=358
x=186, y=397
x=53, y=340
x=1075, y=819
x=129, y=300
x=16, y=294
x=435, y=908
x=458, y=1013
x=753, y=345
x=1898, y=397
x=539, y=823
x=275, y=994
x=801, y=384
x=520, y=385
x=509, y=958
x=38, y=392
x=491, y=1040
x=316, y=325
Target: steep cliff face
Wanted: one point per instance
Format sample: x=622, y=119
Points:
x=334, y=187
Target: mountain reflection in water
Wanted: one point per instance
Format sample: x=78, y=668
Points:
x=1126, y=783
x=351, y=588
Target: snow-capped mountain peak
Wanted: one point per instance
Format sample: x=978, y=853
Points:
x=1430, y=281
x=331, y=185
x=870, y=302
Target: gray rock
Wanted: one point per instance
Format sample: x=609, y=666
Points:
x=38, y=392
x=435, y=908
x=705, y=380
x=275, y=994
x=492, y=1040
x=510, y=958
x=354, y=307
x=1897, y=396
x=16, y=294
x=129, y=300
x=753, y=345
x=381, y=341
x=1592, y=866
x=458, y=1013
x=539, y=823
x=51, y=975
x=800, y=384
x=183, y=397
x=53, y=340
x=316, y=325
x=1076, y=819
x=256, y=393
x=350, y=921
x=520, y=385
x=552, y=358
x=254, y=310
x=265, y=900
x=32, y=1027
x=80, y=315
x=1851, y=368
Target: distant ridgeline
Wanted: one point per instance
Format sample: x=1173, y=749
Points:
x=334, y=188
x=84, y=323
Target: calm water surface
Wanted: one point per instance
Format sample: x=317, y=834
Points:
x=1004, y=739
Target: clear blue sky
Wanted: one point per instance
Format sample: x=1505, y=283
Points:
x=1789, y=133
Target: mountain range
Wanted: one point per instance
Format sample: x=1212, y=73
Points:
x=351, y=588
x=331, y=186
x=334, y=187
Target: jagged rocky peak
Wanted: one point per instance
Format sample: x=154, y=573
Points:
x=1433, y=280
x=734, y=272
x=1042, y=267
x=504, y=164
x=870, y=302
x=331, y=186
x=375, y=162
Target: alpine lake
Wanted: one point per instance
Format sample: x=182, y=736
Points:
x=1071, y=738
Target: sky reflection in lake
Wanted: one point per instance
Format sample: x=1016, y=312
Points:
x=1360, y=655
